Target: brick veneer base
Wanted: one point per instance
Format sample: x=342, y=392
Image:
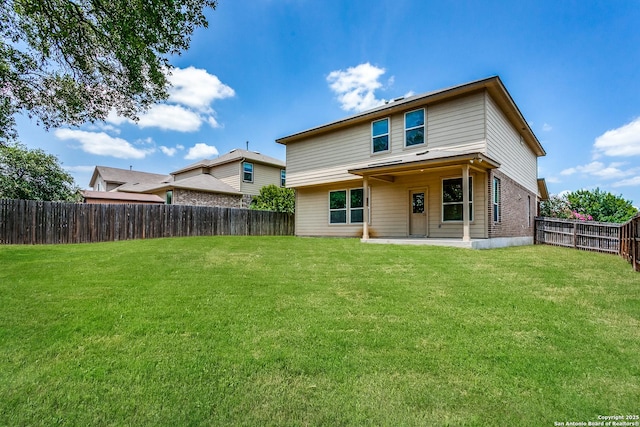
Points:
x=197, y=198
x=517, y=208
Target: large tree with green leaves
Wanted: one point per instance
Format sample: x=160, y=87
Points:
x=592, y=205
x=274, y=198
x=73, y=61
x=33, y=175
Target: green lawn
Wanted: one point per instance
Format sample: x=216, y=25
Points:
x=293, y=331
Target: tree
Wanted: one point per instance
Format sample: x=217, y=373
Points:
x=274, y=198
x=602, y=206
x=555, y=207
x=73, y=61
x=591, y=205
x=33, y=175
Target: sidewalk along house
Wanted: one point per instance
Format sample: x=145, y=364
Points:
x=230, y=180
x=458, y=163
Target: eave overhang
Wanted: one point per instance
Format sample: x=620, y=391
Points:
x=543, y=192
x=386, y=170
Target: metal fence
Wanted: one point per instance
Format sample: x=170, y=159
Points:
x=36, y=222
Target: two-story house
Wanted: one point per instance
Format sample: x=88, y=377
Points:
x=456, y=163
x=231, y=180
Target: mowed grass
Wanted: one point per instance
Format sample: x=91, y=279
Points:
x=294, y=331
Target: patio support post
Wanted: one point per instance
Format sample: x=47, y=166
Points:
x=365, y=214
x=465, y=204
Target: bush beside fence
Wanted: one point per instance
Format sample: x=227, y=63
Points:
x=36, y=222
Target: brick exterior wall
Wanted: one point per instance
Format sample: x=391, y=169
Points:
x=198, y=198
x=517, y=208
x=246, y=200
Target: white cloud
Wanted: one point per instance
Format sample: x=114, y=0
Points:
x=599, y=169
x=170, y=117
x=101, y=144
x=115, y=119
x=547, y=127
x=552, y=180
x=189, y=104
x=355, y=87
x=81, y=169
x=196, y=88
x=171, y=151
x=213, y=122
x=623, y=141
x=168, y=151
x=629, y=182
x=201, y=151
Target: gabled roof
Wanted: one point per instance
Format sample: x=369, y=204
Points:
x=202, y=182
x=493, y=85
x=121, y=176
x=233, y=156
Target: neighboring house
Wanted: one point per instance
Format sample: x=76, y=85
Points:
x=115, y=197
x=456, y=163
x=105, y=178
x=230, y=180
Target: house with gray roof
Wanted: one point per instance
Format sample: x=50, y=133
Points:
x=231, y=180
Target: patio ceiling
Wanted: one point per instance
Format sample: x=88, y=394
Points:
x=428, y=160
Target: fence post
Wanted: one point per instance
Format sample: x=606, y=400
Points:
x=634, y=242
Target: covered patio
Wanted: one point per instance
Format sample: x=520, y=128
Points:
x=417, y=163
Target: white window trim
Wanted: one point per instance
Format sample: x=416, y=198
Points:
x=497, y=215
x=243, y=172
x=424, y=126
x=442, y=202
x=364, y=202
x=347, y=207
x=388, y=134
x=283, y=178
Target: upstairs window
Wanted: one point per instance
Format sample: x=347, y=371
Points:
x=452, y=199
x=414, y=128
x=247, y=172
x=380, y=135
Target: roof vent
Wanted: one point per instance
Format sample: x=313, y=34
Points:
x=398, y=99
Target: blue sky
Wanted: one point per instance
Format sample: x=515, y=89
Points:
x=268, y=68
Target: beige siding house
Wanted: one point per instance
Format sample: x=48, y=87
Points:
x=459, y=163
x=231, y=180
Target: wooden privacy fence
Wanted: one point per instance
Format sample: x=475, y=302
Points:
x=36, y=222
x=620, y=239
x=585, y=235
x=630, y=242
